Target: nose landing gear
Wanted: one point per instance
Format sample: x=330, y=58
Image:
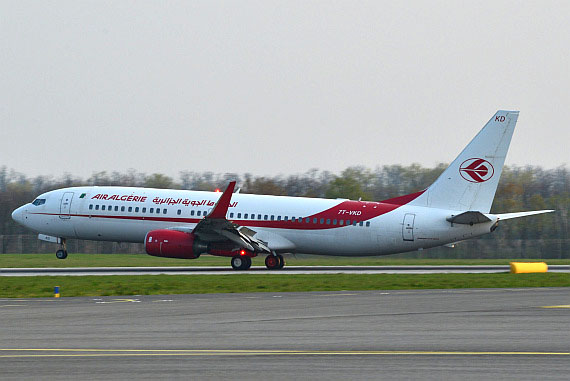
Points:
x=62, y=253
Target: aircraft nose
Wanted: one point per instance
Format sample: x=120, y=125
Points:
x=18, y=215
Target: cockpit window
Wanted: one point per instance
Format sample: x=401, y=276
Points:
x=39, y=201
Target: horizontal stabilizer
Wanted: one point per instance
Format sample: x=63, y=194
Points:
x=469, y=218
x=508, y=216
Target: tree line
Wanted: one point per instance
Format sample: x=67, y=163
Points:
x=520, y=188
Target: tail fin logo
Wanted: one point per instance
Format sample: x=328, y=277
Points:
x=476, y=170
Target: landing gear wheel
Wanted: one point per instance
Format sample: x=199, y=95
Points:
x=281, y=261
x=247, y=264
x=241, y=263
x=61, y=254
x=272, y=262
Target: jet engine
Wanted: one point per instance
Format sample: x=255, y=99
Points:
x=173, y=244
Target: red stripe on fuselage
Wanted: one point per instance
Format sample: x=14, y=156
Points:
x=350, y=212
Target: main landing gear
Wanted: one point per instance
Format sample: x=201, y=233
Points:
x=274, y=262
x=241, y=262
x=62, y=253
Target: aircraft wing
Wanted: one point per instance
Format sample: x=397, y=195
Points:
x=216, y=228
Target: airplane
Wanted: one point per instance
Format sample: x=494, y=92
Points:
x=186, y=224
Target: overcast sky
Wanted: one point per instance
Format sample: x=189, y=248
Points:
x=276, y=87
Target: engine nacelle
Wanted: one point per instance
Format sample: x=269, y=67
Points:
x=173, y=244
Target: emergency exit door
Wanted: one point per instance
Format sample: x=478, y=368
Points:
x=408, y=227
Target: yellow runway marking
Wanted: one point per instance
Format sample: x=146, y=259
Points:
x=233, y=352
x=562, y=306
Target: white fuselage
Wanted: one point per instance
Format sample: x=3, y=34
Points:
x=288, y=224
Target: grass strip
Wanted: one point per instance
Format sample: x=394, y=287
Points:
x=143, y=260
x=42, y=286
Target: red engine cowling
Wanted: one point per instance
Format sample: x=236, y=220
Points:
x=173, y=244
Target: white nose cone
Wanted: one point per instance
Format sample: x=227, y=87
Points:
x=18, y=215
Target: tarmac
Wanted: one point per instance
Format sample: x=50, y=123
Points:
x=418, y=334
x=292, y=270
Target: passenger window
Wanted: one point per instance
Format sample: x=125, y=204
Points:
x=157, y=210
x=137, y=209
x=314, y=220
x=116, y=208
x=272, y=217
x=322, y=221
x=328, y=221
x=334, y=222
x=239, y=215
x=91, y=207
x=151, y=210
x=341, y=222
x=307, y=220
x=110, y=208
x=259, y=216
x=122, y=208
x=367, y=223
x=179, y=212
x=191, y=212
x=144, y=210
x=96, y=207
x=231, y=215
x=265, y=217
x=245, y=216
x=361, y=223
x=102, y=207
x=199, y=213
x=286, y=218
x=164, y=211
x=354, y=223
x=130, y=209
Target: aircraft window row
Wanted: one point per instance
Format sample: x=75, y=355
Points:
x=130, y=209
x=199, y=213
x=321, y=221
x=39, y=201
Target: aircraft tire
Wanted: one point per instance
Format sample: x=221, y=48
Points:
x=61, y=254
x=281, y=262
x=241, y=263
x=247, y=263
x=272, y=262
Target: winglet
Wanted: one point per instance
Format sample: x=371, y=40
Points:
x=221, y=208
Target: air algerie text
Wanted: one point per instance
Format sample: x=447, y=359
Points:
x=158, y=200
x=119, y=197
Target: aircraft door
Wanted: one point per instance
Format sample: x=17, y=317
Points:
x=408, y=227
x=65, y=207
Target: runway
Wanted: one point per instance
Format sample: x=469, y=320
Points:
x=81, y=271
x=416, y=334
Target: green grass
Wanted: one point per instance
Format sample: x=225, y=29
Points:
x=142, y=260
x=42, y=286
